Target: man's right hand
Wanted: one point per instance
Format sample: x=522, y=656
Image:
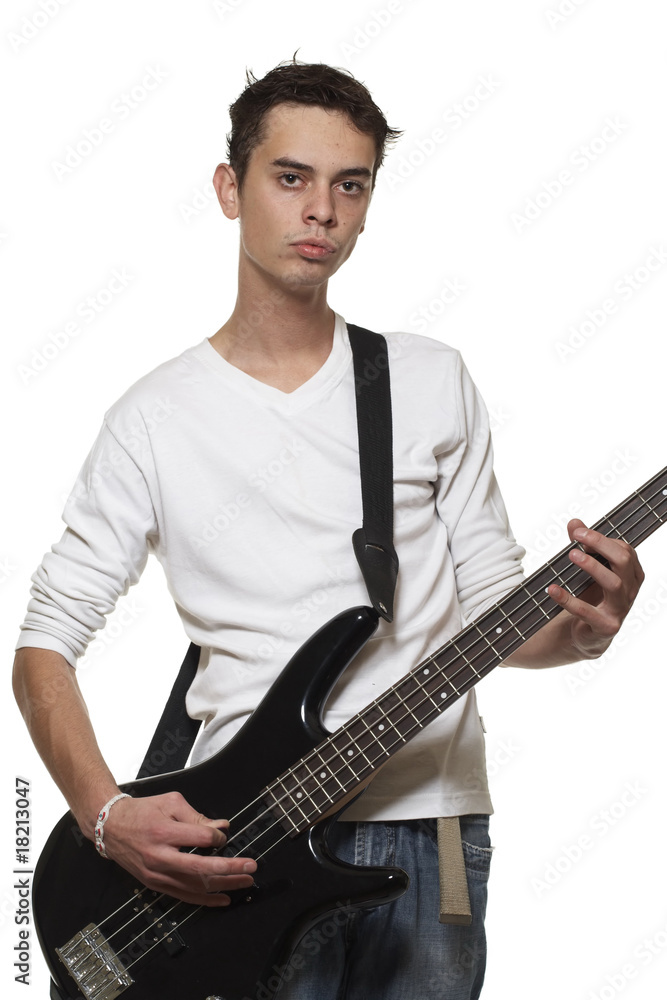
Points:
x=144, y=835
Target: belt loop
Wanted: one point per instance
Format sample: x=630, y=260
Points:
x=454, y=898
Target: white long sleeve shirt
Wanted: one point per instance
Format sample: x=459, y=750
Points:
x=248, y=496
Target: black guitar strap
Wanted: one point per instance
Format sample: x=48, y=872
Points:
x=373, y=542
x=176, y=732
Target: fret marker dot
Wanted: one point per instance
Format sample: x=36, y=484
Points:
x=426, y=671
x=442, y=694
x=350, y=753
x=299, y=795
x=323, y=774
x=499, y=630
x=381, y=726
x=664, y=493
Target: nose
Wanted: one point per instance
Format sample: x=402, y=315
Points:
x=320, y=206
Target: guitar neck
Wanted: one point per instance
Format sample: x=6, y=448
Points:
x=350, y=755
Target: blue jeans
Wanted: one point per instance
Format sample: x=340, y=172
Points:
x=399, y=951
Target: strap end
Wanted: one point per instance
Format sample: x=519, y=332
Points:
x=379, y=569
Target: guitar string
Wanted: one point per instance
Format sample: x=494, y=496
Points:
x=165, y=915
x=196, y=909
x=315, y=753
x=482, y=634
x=271, y=847
x=428, y=697
x=531, y=603
x=238, y=833
x=439, y=709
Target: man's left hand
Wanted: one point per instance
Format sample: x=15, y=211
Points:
x=599, y=613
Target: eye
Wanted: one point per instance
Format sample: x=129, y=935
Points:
x=352, y=187
x=289, y=179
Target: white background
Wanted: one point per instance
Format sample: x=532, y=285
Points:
x=575, y=431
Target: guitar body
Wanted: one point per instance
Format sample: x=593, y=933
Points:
x=237, y=952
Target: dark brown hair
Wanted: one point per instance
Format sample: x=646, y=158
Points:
x=302, y=83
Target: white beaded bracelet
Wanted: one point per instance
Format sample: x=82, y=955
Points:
x=102, y=817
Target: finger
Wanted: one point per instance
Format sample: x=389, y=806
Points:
x=177, y=807
x=190, y=893
x=217, y=867
x=180, y=834
x=607, y=579
x=199, y=829
x=195, y=887
x=202, y=866
x=618, y=553
x=603, y=623
x=228, y=884
x=220, y=825
x=203, y=881
x=575, y=524
x=579, y=533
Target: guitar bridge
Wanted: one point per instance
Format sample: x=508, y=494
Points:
x=94, y=966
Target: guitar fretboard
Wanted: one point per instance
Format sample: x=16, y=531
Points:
x=300, y=796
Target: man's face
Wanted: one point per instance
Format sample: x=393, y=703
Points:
x=305, y=195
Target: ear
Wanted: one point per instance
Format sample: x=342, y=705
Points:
x=227, y=190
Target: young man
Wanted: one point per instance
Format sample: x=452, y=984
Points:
x=273, y=388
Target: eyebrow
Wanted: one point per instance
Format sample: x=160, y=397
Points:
x=288, y=163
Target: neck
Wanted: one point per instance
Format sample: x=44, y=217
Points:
x=278, y=335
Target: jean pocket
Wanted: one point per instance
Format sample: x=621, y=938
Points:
x=477, y=860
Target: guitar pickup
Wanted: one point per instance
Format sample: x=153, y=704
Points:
x=163, y=928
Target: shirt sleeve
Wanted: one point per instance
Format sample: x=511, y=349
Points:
x=111, y=526
x=485, y=554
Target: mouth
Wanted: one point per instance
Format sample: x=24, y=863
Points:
x=314, y=248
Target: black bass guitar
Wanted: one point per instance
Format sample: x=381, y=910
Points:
x=104, y=935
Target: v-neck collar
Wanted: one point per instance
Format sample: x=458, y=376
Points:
x=324, y=379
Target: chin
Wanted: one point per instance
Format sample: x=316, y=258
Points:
x=308, y=275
